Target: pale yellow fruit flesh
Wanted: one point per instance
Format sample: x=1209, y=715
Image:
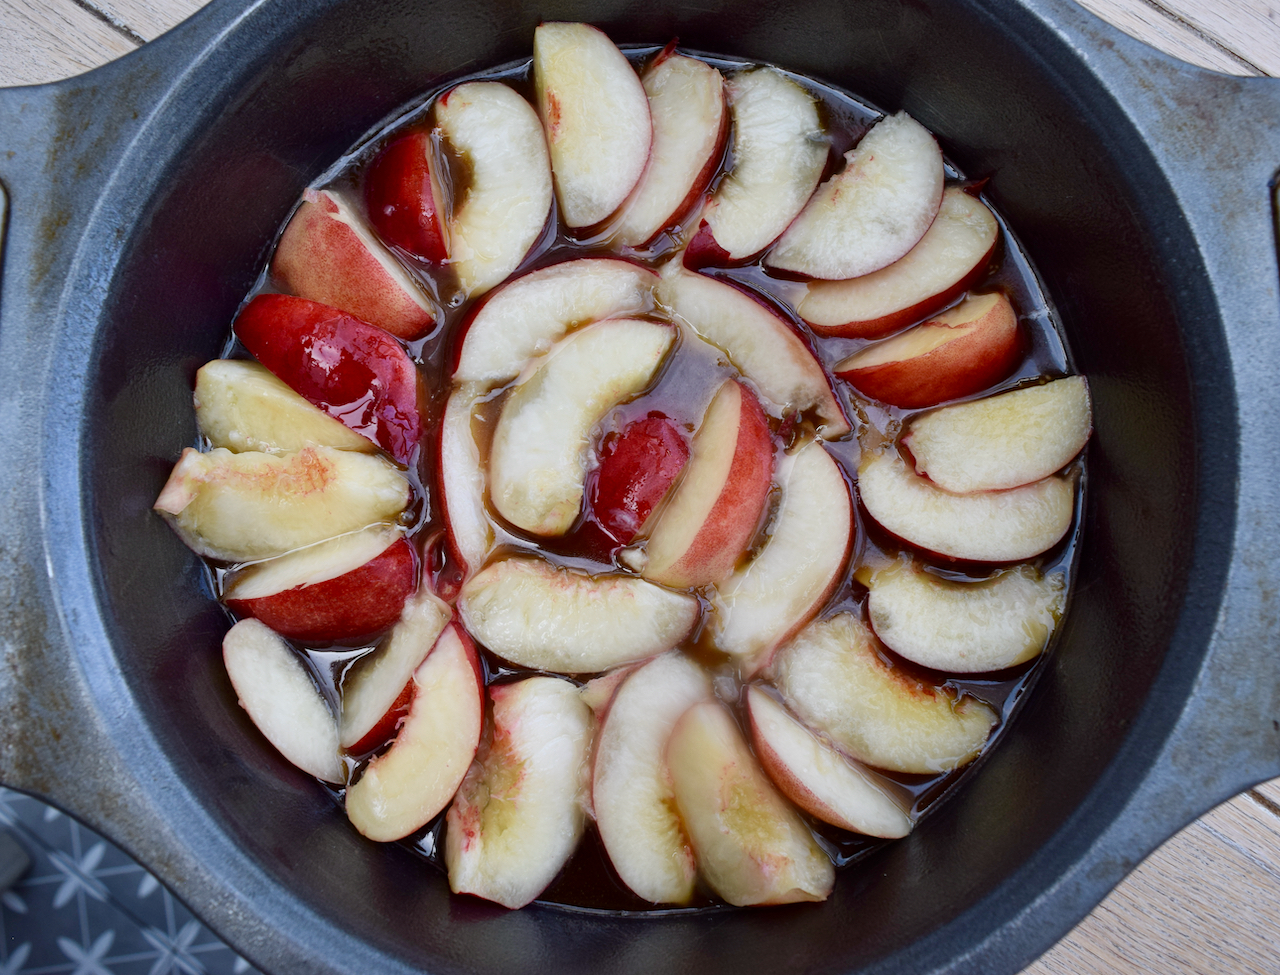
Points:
x=544, y=617
x=965, y=627
x=991, y=526
x=405, y=787
x=779, y=149
x=241, y=405
x=763, y=348
x=248, y=506
x=783, y=586
x=521, y=809
x=832, y=678
x=538, y=460
x=752, y=846
x=631, y=791
x=1003, y=441
x=504, y=210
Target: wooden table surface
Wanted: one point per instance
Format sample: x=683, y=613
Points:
x=1208, y=901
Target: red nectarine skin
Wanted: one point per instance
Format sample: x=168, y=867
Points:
x=322, y=258
x=703, y=251
x=352, y=370
x=363, y=601
x=637, y=468
x=388, y=724
x=401, y=200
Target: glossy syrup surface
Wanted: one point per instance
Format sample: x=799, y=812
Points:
x=588, y=881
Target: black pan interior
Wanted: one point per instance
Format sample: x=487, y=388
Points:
x=290, y=90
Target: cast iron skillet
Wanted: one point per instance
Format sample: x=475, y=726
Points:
x=143, y=197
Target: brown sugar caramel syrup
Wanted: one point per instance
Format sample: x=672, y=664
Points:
x=682, y=392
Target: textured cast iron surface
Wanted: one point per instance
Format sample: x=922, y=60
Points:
x=145, y=195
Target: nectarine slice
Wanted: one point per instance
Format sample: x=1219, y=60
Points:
x=958, y=353
x=715, y=510
x=690, y=126
x=327, y=254
x=763, y=347
x=520, y=812
x=631, y=790
x=832, y=677
x=872, y=212
x=951, y=256
x=248, y=506
x=538, y=458
x=543, y=617
x=282, y=699
x=989, y=526
x=752, y=847
x=240, y=405
x=779, y=149
x=821, y=781
x=405, y=787
x=965, y=627
x=339, y=589
x=596, y=117
x=1002, y=441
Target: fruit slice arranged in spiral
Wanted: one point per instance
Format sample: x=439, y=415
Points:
x=527, y=316
x=352, y=370
x=990, y=526
x=1002, y=441
x=404, y=788
x=240, y=405
x=502, y=213
x=779, y=149
x=638, y=466
x=338, y=589
x=521, y=809
x=539, y=616
x=872, y=212
x=249, y=506
x=761, y=345
x=767, y=600
x=282, y=699
x=690, y=127
x=462, y=482
x=751, y=845
x=820, y=780
x=952, y=255
x=538, y=459
x=329, y=255
x=715, y=510
x=631, y=790
x=405, y=199
x=964, y=627
x=958, y=353
x=596, y=117
x=378, y=689
x=832, y=677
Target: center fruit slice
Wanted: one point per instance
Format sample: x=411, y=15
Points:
x=715, y=511
x=547, y=618
x=538, y=461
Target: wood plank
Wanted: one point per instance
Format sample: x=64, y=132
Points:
x=45, y=40
x=1207, y=901
x=147, y=18
x=1142, y=20
x=1269, y=793
x=1251, y=28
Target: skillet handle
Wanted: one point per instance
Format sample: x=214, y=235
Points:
x=1217, y=139
x=59, y=145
